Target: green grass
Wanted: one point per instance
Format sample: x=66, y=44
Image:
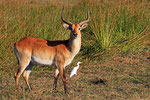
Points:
x=114, y=52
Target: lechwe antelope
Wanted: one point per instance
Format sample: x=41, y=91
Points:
x=35, y=51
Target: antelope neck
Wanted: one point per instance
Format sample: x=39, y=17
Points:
x=75, y=44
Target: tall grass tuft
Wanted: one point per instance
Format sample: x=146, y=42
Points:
x=118, y=23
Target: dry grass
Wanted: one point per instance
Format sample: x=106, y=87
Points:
x=118, y=78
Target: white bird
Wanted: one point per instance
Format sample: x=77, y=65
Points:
x=74, y=70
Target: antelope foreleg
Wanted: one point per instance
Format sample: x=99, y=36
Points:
x=62, y=74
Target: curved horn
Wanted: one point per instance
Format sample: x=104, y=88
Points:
x=87, y=20
x=65, y=21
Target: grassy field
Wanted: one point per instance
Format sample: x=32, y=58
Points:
x=115, y=48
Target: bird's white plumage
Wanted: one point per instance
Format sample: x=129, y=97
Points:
x=74, y=70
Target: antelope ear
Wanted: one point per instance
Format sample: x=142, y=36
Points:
x=67, y=26
x=83, y=26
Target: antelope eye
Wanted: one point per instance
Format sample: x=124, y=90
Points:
x=79, y=28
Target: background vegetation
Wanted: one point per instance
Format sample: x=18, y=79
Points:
x=115, y=47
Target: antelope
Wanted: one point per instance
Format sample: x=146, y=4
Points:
x=31, y=51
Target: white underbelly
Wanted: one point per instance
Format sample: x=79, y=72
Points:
x=39, y=61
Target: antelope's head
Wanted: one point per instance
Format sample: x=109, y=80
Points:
x=75, y=28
